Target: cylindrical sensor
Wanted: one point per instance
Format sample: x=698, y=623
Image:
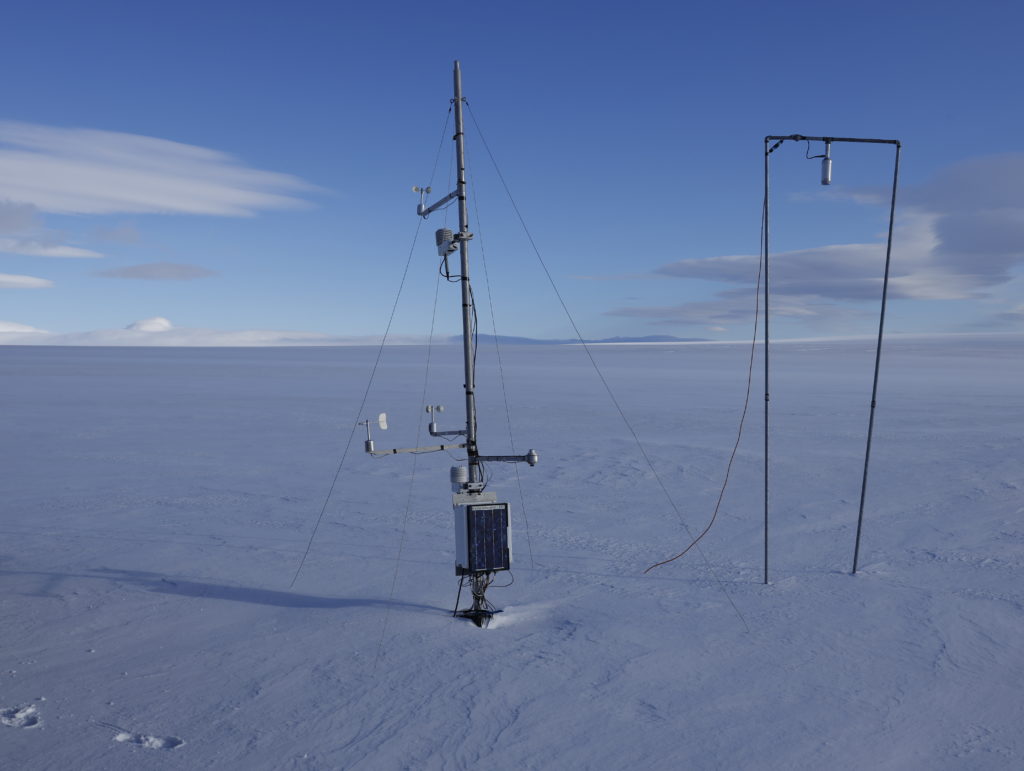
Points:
x=459, y=476
x=826, y=171
x=443, y=238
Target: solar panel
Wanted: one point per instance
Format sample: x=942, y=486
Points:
x=482, y=538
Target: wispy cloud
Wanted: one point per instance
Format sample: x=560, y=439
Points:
x=159, y=271
x=36, y=248
x=153, y=324
x=612, y=277
x=21, y=232
x=849, y=271
x=18, y=217
x=8, y=281
x=159, y=331
x=733, y=310
x=1012, y=317
x=89, y=171
x=125, y=233
x=11, y=327
x=957, y=237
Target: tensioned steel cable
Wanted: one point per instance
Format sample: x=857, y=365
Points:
x=412, y=482
x=373, y=372
x=597, y=369
x=362, y=404
x=419, y=431
x=501, y=369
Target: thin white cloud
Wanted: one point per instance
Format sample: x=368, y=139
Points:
x=17, y=217
x=35, y=248
x=125, y=233
x=8, y=281
x=159, y=331
x=735, y=310
x=850, y=271
x=153, y=324
x=89, y=171
x=959, y=236
x=13, y=327
x=1014, y=316
x=159, y=271
x=21, y=232
x=612, y=277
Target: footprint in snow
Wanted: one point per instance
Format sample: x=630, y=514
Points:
x=26, y=717
x=143, y=740
x=150, y=742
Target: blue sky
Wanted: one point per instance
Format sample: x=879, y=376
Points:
x=243, y=170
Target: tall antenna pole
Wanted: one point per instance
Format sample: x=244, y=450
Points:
x=467, y=292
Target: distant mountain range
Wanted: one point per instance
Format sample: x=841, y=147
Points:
x=509, y=340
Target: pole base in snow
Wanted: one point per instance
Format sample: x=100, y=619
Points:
x=479, y=617
x=481, y=611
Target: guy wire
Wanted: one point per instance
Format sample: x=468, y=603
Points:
x=412, y=482
x=597, y=369
x=501, y=369
x=373, y=371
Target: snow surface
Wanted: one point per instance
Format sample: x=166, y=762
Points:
x=157, y=502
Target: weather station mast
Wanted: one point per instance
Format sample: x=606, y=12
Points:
x=482, y=523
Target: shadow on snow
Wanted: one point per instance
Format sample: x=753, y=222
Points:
x=154, y=582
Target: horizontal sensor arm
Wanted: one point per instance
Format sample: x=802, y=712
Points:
x=424, y=210
x=531, y=457
x=802, y=138
x=433, y=448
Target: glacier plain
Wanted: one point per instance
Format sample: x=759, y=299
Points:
x=157, y=502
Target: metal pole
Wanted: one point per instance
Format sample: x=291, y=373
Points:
x=467, y=294
x=801, y=138
x=765, y=246
x=878, y=357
